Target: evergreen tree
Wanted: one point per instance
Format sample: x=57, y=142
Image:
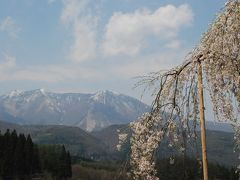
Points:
x=12, y=149
x=1, y=154
x=28, y=148
x=62, y=170
x=6, y=155
x=69, y=165
x=19, y=157
x=36, y=167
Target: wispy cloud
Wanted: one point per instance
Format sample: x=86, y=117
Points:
x=11, y=71
x=127, y=33
x=51, y=1
x=77, y=17
x=52, y=74
x=7, y=65
x=145, y=64
x=8, y=62
x=9, y=26
x=174, y=44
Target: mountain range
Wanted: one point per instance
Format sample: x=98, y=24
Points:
x=87, y=111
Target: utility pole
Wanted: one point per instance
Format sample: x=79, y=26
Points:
x=202, y=121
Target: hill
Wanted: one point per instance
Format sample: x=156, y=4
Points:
x=220, y=143
x=76, y=140
x=101, y=145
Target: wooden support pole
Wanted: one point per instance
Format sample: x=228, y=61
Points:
x=202, y=122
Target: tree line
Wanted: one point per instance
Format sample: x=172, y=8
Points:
x=175, y=167
x=188, y=168
x=20, y=158
x=56, y=160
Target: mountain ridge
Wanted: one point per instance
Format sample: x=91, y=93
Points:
x=85, y=110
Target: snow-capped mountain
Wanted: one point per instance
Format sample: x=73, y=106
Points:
x=87, y=111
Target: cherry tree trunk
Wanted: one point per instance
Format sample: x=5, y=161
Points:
x=202, y=122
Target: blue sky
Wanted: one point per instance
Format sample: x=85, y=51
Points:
x=86, y=45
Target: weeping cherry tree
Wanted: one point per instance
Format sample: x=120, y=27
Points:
x=178, y=103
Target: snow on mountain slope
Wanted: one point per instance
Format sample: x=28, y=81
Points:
x=87, y=111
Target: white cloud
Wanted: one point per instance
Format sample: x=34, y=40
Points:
x=125, y=34
x=128, y=33
x=82, y=23
x=72, y=9
x=9, y=26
